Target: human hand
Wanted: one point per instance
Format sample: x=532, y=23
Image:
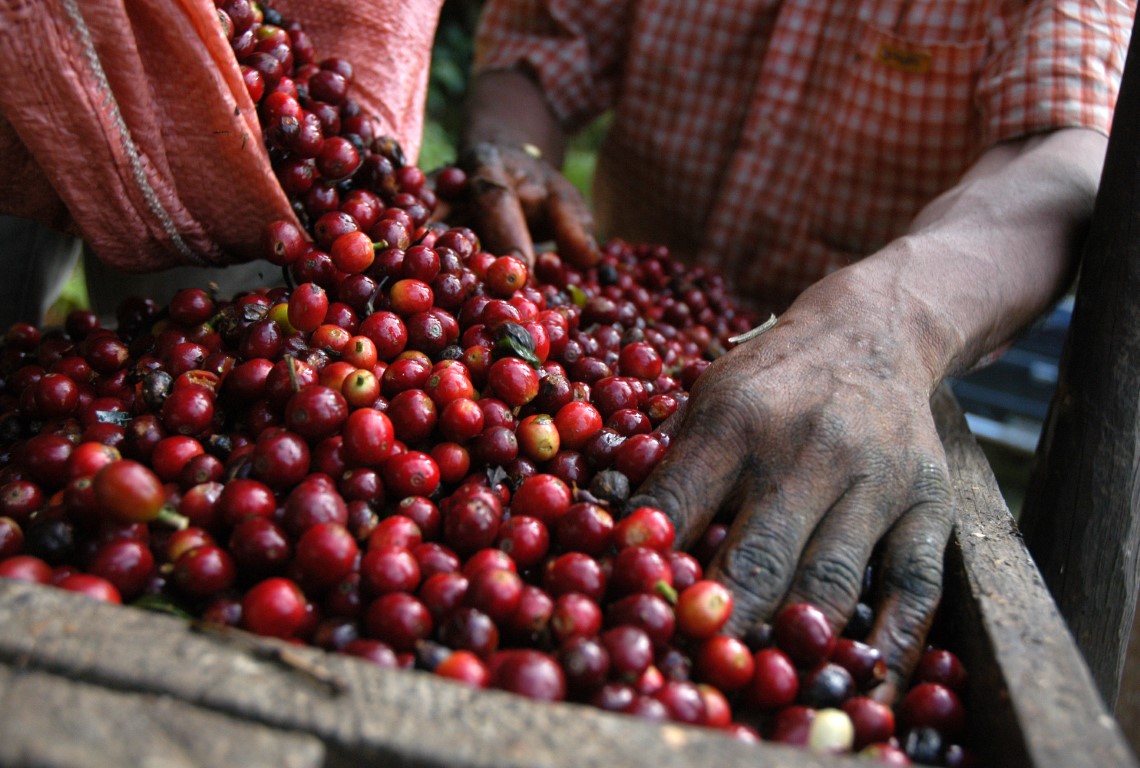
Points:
x=515, y=198
x=817, y=439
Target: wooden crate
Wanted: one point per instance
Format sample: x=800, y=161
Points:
x=87, y=684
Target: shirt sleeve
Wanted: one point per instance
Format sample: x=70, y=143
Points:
x=573, y=48
x=1054, y=65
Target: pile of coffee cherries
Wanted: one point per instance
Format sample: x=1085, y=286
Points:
x=420, y=453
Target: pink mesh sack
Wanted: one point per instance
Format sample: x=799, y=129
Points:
x=127, y=121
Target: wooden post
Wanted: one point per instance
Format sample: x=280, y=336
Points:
x=1081, y=517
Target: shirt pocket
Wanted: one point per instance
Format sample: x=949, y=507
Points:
x=900, y=126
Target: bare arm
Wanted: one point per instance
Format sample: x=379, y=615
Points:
x=507, y=107
x=817, y=437
x=992, y=253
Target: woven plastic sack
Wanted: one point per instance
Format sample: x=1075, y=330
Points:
x=127, y=121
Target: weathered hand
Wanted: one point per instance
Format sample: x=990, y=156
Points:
x=516, y=198
x=818, y=440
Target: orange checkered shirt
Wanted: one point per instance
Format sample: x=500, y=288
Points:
x=779, y=141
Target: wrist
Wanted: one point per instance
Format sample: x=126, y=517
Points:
x=507, y=108
x=875, y=318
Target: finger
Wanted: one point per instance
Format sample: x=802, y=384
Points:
x=910, y=587
x=494, y=205
x=701, y=469
x=499, y=215
x=571, y=223
x=830, y=572
x=759, y=557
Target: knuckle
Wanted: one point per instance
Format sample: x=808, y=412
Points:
x=759, y=569
x=931, y=484
x=915, y=580
x=723, y=410
x=829, y=427
x=832, y=582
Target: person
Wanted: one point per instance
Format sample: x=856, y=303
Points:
x=905, y=184
x=130, y=131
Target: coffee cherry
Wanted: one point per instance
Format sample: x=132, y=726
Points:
x=873, y=721
x=465, y=667
x=830, y=731
x=826, y=685
x=92, y=586
x=274, y=607
x=325, y=554
x=308, y=305
x=496, y=592
x=793, y=725
x=703, y=609
x=283, y=241
x=127, y=564
x=775, y=682
x=529, y=673
x=506, y=275
x=526, y=539
x=645, y=526
x=128, y=491
x=630, y=651
x=204, y=571
x=398, y=619
x=368, y=437
x=513, y=381
x=932, y=705
x=412, y=473
x=390, y=569
x=725, y=663
x=467, y=628
x=804, y=633
x=937, y=665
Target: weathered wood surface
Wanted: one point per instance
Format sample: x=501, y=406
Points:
x=52, y=720
x=1013, y=636
x=1081, y=516
x=383, y=717
x=81, y=679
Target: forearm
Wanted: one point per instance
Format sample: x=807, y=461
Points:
x=507, y=107
x=981, y=261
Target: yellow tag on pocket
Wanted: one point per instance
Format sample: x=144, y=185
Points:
x=903, y=59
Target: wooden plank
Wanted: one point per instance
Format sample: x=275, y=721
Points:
x=392, y=717
x=1031, y=702
x=1081, y=516
x=1035, y=685
x=50, y=720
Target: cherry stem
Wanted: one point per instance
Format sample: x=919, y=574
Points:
x=371, y=304
x=172, y=519
x=666, y=591
x=291, y=366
